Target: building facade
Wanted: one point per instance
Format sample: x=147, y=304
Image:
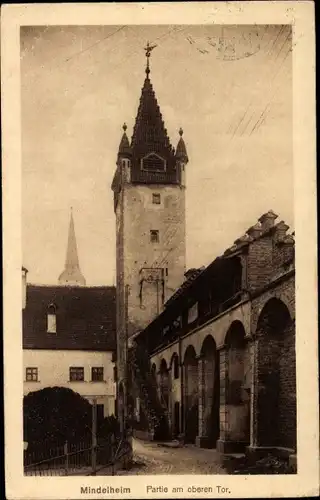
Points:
x=221, y=355
x=69, y=334
x=69, y=341
x=149, y=205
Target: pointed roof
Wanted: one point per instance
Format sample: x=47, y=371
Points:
x=181, y=152
x=72, y=274
x=149, y=130
x=124, y=146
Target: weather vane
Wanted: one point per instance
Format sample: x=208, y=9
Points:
x=148, y=49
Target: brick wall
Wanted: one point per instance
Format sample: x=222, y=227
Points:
x=259, y=262
x=287, y=394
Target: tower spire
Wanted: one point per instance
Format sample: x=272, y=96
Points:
x=148, y=49
x=72, y=274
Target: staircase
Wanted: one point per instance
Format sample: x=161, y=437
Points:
x=144, y=386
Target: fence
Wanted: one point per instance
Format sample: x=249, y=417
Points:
x=83, y=458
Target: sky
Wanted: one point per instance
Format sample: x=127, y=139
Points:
x=228, y=87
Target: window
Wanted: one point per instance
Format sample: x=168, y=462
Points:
x=154, y=236
x=76, y=373
x=114, y=373
x=51, y=319
x=97, y=374
x=153, y=163
x=193, y=313
x=32, y=374
x=156, y=198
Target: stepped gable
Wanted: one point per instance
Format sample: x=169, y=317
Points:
x=85, y=318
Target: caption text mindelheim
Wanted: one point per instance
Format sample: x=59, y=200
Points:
x=121, y=490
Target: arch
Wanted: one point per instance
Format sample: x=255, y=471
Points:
x=189, y=355
x=277, y=297
x=173, y=357
x=237, y=392
x=274, y=316
x=208, y=345
x=164, y=383
x=209, y=393
x=154, y=370
x=276, y=376
x=163, y=366
x=235, y=335
x=174, y=365
x=52, y=308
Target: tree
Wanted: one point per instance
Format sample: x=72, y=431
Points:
x=56, y=414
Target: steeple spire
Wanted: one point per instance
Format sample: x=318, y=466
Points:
x=72, y=275
x=149, y=133
x=148, y=49
x=124, y=147
x=181, y=152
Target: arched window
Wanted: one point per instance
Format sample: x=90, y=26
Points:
x=52, y=319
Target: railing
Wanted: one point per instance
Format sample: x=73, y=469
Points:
x=82, y=459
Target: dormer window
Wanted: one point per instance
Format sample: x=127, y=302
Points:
x=52, y=319
x=153, y=163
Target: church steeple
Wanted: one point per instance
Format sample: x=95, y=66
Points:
x=72, y=275
x=149, y=131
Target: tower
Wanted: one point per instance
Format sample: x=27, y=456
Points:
x=72, y=276
x=149, y=204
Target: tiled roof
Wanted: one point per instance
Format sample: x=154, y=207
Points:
x=85, y=318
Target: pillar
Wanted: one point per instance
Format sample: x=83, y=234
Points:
x=224, y=420
x=201, y=439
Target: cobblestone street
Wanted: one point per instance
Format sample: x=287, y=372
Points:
x=151, y=458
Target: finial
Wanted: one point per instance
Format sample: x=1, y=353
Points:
x=124, y=127
x=180, y=132
x=148, y=49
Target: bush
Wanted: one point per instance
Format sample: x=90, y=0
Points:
x=55, y=414
x=108, y=426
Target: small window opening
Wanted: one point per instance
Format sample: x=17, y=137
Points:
x=51, y=319
x=154, y=236
x=31, y=374
x=156, y=199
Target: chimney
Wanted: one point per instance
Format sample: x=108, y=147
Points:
x=255, y=231
x=281, y=228
x=267, y=220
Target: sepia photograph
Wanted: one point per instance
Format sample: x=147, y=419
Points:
x=158, y=254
